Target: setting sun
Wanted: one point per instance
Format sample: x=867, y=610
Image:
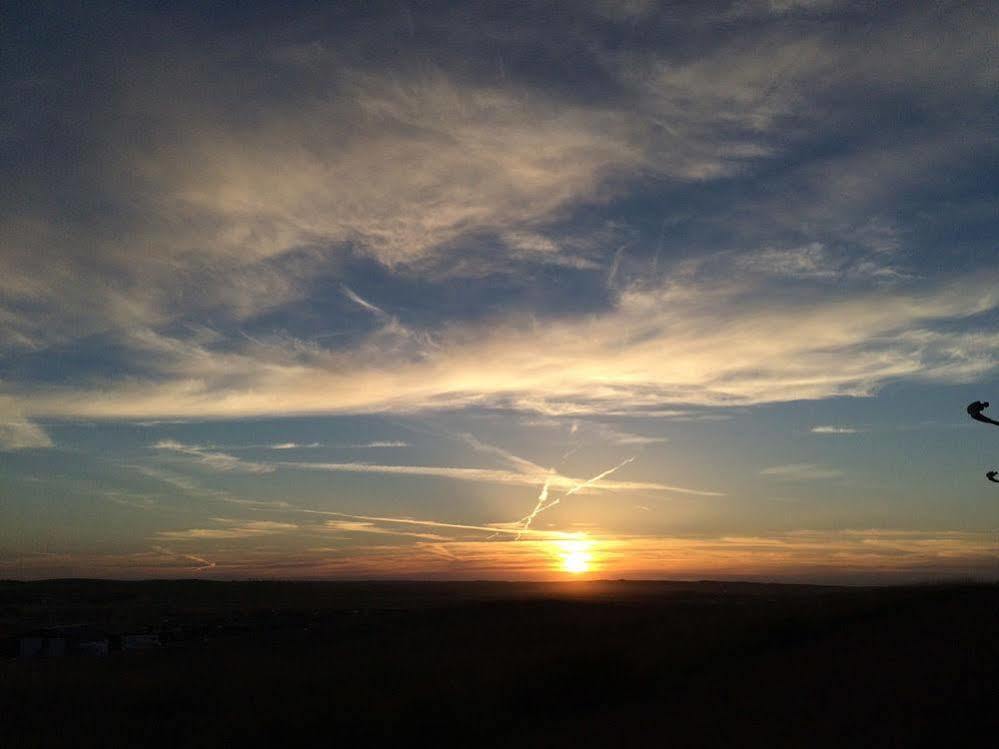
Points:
x=576, y=562
x=575, y=556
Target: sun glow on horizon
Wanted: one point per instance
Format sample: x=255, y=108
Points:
x=575, y=555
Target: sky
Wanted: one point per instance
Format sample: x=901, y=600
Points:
x=499, y=290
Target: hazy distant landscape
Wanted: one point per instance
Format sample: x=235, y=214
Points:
x=503, y=664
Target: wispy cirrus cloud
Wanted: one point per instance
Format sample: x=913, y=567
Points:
x=21, y=434
x=314, y=445
x=400, y=166
x=201, y=563
x=407, y=171
x=802, y=472
x=232, y=529
x=603, y=433
x=816, y=262
x=719, y=337
x=527, y=473
x=520, y=464
x=216, y=461
x=364, y=526
x=16, y=431
x=496, y=476
x=829, y=429
x=512, y=530
x=246, y=219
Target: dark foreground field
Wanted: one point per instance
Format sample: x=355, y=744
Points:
x=491, y=664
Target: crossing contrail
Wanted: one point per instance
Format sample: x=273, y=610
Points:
x=544, y=504
x=525, y=522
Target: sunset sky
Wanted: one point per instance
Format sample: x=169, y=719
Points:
x=349, y=290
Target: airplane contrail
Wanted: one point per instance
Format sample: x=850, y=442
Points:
x=543, y=504
x=605, y=474
x=433, y=523
x=525, y=521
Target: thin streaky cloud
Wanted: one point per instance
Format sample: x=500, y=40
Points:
x=615, y=265
x=192, y=488
x=521, y=464
x=599, y=478
x=495, y=528
x=203, y=563
x=539, y=506
x=721, y=354
x=802, y=471
x=829, y=429
x=362, y=302
x=217, y=461
x=16, y=432
x=234, y=530
x=359, y=526
x=488, y=475
x=314, y=445
x=544, y=504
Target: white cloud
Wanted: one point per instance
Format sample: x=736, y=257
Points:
x=682, y=343
x=201, y=563
x=834, y=430
x=242, y=220
x=363, y=303
x=234, y=529
x=868, y=262
x=401, y=165
x=489, y=475
x=18, y=433
x=521, y=465
x=811, y=261
x=537, y=248
x=217, y=461
x=802, y=471
x=617, y=437
x=527, y=474
x=21, y=434
x=359, y=526
x=409, y=167
x=508, y=529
